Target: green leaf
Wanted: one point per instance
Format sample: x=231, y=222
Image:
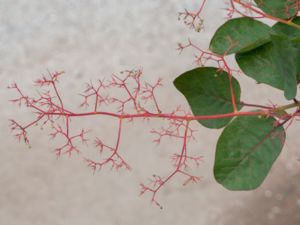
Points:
x=207, y=91
x=284, y=29
x=262, y=65
x=239, y=35
x=259, y=65
x=246, y=151
x=298, y=62
x=283, y=9
x=294, y=35
x=285, y=54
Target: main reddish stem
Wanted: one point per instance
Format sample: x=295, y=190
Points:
x=164, y=115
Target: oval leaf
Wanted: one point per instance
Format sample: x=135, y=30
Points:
x=246, y=151
x=285, y=54
x=265, y=63
x=207, y=91
x=239, y=35
x=293, y=35
x=283, y=9
x=259, y=65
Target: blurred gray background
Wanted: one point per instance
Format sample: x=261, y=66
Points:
x=91, y=40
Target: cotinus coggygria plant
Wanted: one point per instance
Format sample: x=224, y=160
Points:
x=251, y=140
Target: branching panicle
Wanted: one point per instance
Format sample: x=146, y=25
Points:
x=193, y=20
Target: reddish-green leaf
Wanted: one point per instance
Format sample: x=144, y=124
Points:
x=283, y=9
x=239, y=35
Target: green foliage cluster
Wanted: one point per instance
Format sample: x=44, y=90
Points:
x=249, y=145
